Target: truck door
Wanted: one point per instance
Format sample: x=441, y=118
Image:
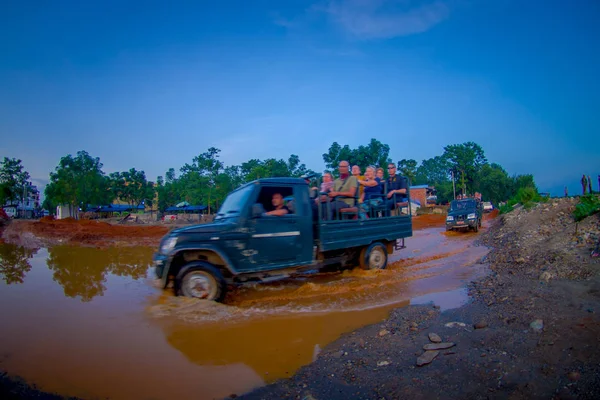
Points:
x=276, y=240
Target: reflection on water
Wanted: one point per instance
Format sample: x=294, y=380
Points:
x=82, y=271
x=14, y=262
x=273, y=346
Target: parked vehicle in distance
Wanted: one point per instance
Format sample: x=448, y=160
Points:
x=432, y=199
x=488, y=206
x=245, y=244
x=464, y=214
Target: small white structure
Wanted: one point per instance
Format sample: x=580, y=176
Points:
x=65, y=211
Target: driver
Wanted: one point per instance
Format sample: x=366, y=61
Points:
x=280, y=208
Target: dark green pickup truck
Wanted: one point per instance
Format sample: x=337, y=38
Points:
x=464, y=214
x=244, y=244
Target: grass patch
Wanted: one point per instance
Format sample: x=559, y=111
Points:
x=588, y=205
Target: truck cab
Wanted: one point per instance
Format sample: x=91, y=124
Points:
x=464, y=214
x=244, y=243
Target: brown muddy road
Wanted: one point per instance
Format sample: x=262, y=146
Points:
x=90, y=323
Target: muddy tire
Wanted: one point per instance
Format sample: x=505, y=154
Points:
x=200, y=280
x=448, y=229
x=374, y=256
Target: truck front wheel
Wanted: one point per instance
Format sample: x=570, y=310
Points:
x=200, y=280
x=374, y=256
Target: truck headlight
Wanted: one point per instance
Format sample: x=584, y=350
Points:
x=168, y=245
x=471, y=216
x=449, y=218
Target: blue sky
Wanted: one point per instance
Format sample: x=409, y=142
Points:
x=151, y=84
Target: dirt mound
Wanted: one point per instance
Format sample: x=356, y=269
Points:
x=545, y=241
x=84, y=232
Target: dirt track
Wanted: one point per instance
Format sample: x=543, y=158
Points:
x=532, y=329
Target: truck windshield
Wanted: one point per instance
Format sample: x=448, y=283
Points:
x=462, y=205
x=234, y=202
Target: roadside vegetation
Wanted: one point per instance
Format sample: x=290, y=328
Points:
x=527, y=196
x=588, y=205
x=79, y=180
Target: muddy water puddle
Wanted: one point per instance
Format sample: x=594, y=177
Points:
x=91, y=323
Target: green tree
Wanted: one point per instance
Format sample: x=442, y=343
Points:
x=131, y=187
x=78, y=182
x=13, y=180
x=494, y=183
x=168, y=190
x=408, y=168
x=523, y=181
x=375, y=153
x=433, y=171
x=465, y=161
x=198, y=180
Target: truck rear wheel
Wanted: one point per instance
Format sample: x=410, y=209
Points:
x=200, y=280
x=374, y=256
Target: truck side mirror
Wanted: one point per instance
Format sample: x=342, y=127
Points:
x=257, y=210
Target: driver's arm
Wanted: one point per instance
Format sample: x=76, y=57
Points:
x=278, y=213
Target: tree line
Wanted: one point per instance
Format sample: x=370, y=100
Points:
x=79, y=181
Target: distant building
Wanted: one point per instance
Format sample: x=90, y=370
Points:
x=419, y=193
x=26, y=205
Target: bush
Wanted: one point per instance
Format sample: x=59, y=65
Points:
x=527, y=196
x=588, y=205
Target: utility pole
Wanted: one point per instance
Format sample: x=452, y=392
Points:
x=453, y=186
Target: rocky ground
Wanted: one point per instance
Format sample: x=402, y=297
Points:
x=532, y=329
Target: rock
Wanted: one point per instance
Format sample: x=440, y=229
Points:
x=435, y=338
x=546, y=276
x=537, y=325
x=481, y=324
x=414, y=325
x=383, y=363
x=427, y=357
x=438, y=346
x=308, y=397
x=520, y=260
x=383, y=332
x=414, y=329
x=454, y=324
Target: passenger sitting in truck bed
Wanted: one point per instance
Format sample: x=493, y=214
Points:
x=327, y=184
x=395, y=185
x=357, y=174
x=372, y=190
x=344, y=188
x=280, y=207
x=371, y=184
